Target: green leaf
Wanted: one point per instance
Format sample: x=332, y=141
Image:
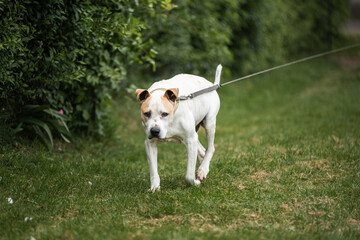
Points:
x=56, y=114
x=41, y=124
x=42, y=136
x=18, y=128
x=86, y=114
x=32, y=109
x=65, y=138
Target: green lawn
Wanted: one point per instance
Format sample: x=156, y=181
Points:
x=287, y=165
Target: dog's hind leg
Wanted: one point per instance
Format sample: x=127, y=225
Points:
x=210, y=136
x=201, y=152
x=201, y=149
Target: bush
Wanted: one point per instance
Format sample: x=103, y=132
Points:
x=319, y=23
x=192, y=37
x=243, y=35
x=70, y=55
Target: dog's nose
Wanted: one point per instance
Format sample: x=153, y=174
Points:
x=155, y=131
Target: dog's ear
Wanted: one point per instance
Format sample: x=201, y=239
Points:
x=142, y=94
x=172, y=94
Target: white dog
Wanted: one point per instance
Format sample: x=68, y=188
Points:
x=167, y=119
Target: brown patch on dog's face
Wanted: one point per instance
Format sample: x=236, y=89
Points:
x=168, y=105
x=169, y=100
x=145, y=105
x=144, y=97
x=145, y=110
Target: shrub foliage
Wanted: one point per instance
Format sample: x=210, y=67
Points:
x=74, y=55
x=71, y=55
x=243, y=35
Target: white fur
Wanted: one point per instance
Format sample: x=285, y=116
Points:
x=181, y=126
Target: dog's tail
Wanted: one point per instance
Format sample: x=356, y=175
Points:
x=218, y=74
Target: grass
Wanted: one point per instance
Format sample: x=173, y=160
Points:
x=287, y=165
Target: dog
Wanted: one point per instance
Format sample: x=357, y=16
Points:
x=167, y=119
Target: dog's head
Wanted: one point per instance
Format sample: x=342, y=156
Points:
x=157, y=110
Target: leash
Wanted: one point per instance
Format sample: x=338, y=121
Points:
x=217, y=86
x=197, y=93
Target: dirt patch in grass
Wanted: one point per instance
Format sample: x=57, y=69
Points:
x=354, y=223
x=277, y=150
x=195, y=221
x=326, y=85
x=316, y=164
x=198, y=222
x=258, y=176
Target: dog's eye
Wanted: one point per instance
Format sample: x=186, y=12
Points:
x=147, y=114
x=164, y=114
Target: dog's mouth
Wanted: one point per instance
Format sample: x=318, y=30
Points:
x=151, y=137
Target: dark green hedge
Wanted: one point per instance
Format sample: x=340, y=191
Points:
x=71, y=55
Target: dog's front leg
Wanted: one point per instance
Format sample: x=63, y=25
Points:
x=192, y=149
x=151, y=151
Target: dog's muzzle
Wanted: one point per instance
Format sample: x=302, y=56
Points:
x=154, y=132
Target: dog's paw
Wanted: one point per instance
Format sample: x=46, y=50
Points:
x=192, y=181
x=201, y=175
x=154, y=183
x=196, y=182
x=154, y=189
